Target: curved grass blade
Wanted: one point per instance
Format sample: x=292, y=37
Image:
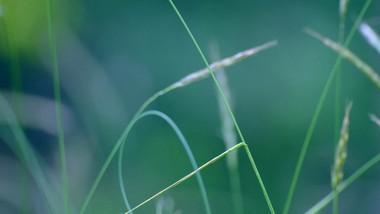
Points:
x=347, y=54
x=185, y=146
x=57, y=96
x=318, y=110
x=188, y=176
x=328, y=198
x=255, y=169
x=196, y=76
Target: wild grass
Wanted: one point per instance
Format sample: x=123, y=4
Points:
x=57, y=201
x=340, y=156
x=229, y=135
x=185, y=145
x=57, y=96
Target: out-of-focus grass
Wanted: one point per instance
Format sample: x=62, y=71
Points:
x=111, y=63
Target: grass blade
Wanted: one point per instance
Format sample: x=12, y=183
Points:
x=347, y=54
x=188, y=152
x=191, y=78
x=187, y=176
x=318, y=109
x=201, y=73
x=269, y=203
x=57, y=95
x=328, y=198
x=27, y=157
x=16, y=82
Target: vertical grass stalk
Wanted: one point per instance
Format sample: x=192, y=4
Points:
x=318, y=109
x=229, y=136
x=343, y=5
x=228, y=108
x=57, y=96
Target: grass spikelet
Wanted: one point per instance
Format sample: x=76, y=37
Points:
x=375, y=119
x=195, y=76
x=318, y=109
x=347, y=54
x=341, y=150
x=343, y=5
x=370, y=35
x=340, y=157
x=328, y=198
x=201, y=74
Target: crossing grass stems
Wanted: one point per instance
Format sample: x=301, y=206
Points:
x=29, y=159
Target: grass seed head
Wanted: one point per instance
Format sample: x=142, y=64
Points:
x=198, y=75
x=347, y=54
x=375, y=119
x=370, y=35
x=341, y=150
x=343, y=5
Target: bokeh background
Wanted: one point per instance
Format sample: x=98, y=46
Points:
x=114, y=54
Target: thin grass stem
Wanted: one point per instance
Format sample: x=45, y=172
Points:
x=227, y=106
x=16, y=84
x=229, y=135
x=347, y=54
x=188, y=176
x=191, y=78
x=188, y=152
x=328, y=198
x=318, y=109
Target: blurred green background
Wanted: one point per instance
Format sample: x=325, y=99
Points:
x=113, y=55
